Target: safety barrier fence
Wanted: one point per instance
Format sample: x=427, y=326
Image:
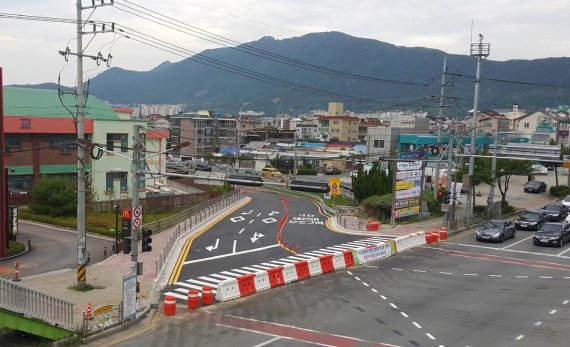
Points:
x=34, y=304
x=188, y=219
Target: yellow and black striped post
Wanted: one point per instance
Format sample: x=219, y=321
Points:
x=81, y=273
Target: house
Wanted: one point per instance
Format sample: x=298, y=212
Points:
x=541, y=125
x=491, y=122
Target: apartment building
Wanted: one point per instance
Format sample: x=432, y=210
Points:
x=340, y=128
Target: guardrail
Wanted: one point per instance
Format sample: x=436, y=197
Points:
x=329, y=211
x=191, y=217
x=191, y=213
x=34, y=304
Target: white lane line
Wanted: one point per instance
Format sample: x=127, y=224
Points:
x=268, y=264
x=445, y=273
x=417, y=325
x=323, y=252
x=495, y=275
x=350, y=273
x=374, y=290
x=241, y=231
x=179, y=296
x=566, y=277
x=259, y=214
x=430, y=336
x=210, y=279
x=470, y=274
x=235, y=244
x=287, y=261
x=262, y=267
x=279, y=262
x=520, y=337
x=189, y=286
x=344, y=248
x=383, y=297
x=522, y=276
x=268, y=341
x=516, y=243
x=418, y=271
x=538, y=323
x=397, y=269
x=506, y=250
x=231, y=254
x=251, y=221
x=250, y=269
x=357, y=278
x=552, y=312
x=404, y=314
x=337, y=249
x=565, y=251
x=371, y=266
x=296, y=258
x=312, y=254
x=203, y=283
x=393, y=305
x=366, y=284
x=565, y=302
x=546, y=277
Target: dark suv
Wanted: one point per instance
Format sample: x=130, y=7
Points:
x=534, y=187
x=556, y=212
x=531, y=220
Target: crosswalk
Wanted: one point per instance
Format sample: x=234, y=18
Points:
x=180, y=289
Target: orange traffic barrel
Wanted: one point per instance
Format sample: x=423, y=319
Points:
x=193, y=299
x=169, y=305
x=207, y=295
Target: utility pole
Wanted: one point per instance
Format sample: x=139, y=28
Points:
x=81, y=240
x=295, y=153
x=439, y=125
x=451, y=208
x=480, y=51
x=136, y=167
x=493, y=177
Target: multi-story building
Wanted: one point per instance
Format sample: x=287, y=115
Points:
x=336, y=109
x=205, y=132
x=492, y=122
x=341, y=128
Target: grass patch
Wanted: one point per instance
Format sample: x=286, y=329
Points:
x=87, y=287
x=15, y=248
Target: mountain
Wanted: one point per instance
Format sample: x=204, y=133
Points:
x=226, y=89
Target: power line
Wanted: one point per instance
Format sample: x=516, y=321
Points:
x=532, y=84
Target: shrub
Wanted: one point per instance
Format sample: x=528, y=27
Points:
x=378, y=206
x=559, y=190
x=306, y=171
x=54, y=196
x=479, y=210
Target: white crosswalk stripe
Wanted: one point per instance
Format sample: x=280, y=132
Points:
x=212, y=280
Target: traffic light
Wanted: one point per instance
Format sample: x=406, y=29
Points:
x=447, y=196
x=439, y=195
x=146, y=240
x=127, y=245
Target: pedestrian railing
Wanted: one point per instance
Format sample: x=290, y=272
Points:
x=190, y=218
x=34, y=304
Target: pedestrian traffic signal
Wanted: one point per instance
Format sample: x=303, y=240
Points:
x=447, y=196
x=127, y=245
x=146, y=240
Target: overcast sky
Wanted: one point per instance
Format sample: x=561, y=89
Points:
x=516, y=29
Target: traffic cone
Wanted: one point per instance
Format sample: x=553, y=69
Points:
x=88, y=315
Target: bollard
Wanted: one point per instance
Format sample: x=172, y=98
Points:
x=207, y=296
x=16, y=272
x=105, y=251
x=169, y=305
x=29, y=243
x=193, y=299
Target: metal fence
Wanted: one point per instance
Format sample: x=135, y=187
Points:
x=190, y=218
x=102, y=318
x=34, y=304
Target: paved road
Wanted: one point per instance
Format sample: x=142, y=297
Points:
x=52, y=249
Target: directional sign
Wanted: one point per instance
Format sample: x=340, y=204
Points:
x=334, y=184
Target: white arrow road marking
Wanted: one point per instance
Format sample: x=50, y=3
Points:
x=212, y=247
x=241, y=231
x=256, y=237
x=273, y=212
x=235, y=243
x=247, y=212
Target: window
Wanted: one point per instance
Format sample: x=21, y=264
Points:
x=14, y=141
x=116, y=176
x=526, y=125
x=378, y=143
x=118, y=140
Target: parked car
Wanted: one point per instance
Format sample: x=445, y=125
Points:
x=534, y=187
x=251, y=172
x=552, y=234
x=331, y=170
x=203, y=167
x=556, y=212
x=270, y=172
x=566, y=201
x=531, y=220
x=496, y=230
x=538, y=169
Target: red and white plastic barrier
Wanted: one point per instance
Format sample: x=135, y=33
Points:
x=410, y=241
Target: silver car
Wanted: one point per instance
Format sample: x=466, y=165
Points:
x=496, y=230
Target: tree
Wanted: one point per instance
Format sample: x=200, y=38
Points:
x=506, y=168
x=376, y=181
x=54, y=196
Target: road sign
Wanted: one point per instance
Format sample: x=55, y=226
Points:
x=334, y=184
x=137, y=217
x=566, y=162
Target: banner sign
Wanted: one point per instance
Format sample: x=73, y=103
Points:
x=408, y=193
x=406, y=184
x=408, y=211
x=129, y=296
x=366, y=255
x=404, y=175
x=408, y=165
x=406, y=202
